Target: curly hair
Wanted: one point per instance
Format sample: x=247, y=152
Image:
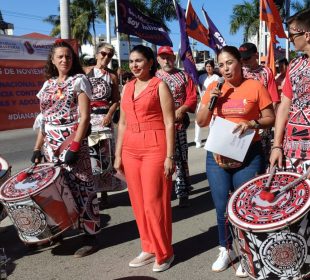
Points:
x=51, y=70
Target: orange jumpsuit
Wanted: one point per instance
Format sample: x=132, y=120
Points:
x=143, y=155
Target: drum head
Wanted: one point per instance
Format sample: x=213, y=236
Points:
x=4, y=167
x=247, y=211
x=43, y=175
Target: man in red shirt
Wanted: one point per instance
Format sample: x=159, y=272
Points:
x=185, y=100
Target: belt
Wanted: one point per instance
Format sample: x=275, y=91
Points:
x=99, y=111
x=99, y=103
x=143, y=126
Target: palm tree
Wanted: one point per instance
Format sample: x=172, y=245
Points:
x=297, y=6
x=245, y=15
x=83, y=16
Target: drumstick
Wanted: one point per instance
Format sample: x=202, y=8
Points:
x=265, y=193
x=270, y=196
x=23, y=175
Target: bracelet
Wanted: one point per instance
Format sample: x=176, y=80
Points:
x=171, y=157
x=277, y=147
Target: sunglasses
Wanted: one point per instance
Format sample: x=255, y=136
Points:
x=293, y=36
x=104, y=54
x=247, y=58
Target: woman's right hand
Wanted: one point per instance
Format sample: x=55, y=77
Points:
x=118, y=166
x=276, y=157
x=36, y=156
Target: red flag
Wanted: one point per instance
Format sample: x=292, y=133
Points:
x=269, y=13
x=271, y=57
x=194, y=27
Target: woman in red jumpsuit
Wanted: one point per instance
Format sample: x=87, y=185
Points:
x=144, y=153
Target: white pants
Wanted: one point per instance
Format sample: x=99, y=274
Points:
x=198, y=133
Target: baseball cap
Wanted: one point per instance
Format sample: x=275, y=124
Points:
x=166, y=50
x=247, y=50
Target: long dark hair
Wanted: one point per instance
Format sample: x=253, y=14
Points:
x=232, y=51
x=148, y=54
x=51, y=70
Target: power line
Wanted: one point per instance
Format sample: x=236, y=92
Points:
x=21, y=15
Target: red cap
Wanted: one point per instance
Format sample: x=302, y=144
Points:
x=165, y=50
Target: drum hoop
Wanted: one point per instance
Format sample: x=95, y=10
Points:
x=25, y=196
x=265, y=228
x=4, y=163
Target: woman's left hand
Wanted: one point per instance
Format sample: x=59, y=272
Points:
x=169, y=167
x=242, y=127
x=106, y=120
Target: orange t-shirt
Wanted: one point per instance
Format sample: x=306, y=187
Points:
x=243, y=103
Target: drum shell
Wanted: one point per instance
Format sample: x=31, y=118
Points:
x=273, y=236
x=282, y=254
x=46, y=213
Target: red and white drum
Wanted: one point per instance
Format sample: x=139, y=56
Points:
x=40, y=206
x=273, y=237
x=5, y=173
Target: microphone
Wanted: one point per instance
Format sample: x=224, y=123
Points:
x=213, y=101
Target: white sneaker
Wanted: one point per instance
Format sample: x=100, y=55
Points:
x=143, y=259
x=198, y=145
x=164, y=266
x=224, y=259
x=240, y=272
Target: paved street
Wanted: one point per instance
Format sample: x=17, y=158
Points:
x=194, y=232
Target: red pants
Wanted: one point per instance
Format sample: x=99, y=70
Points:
x=150, y=194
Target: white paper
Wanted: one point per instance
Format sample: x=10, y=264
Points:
x=223, y=141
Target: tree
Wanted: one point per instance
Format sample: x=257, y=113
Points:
x=83, y=16
x=245, y=15
x=297, y=6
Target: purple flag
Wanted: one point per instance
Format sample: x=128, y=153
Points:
x=216, y=41
x=185, y=51
x=131, y=21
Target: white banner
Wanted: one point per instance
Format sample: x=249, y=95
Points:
x=19, y=48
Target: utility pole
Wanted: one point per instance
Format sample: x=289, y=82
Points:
x=64, y=19
x=107, y=20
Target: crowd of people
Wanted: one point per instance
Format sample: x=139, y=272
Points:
x=151, y=140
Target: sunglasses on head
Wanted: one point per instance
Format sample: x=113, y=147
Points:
x=104, y=54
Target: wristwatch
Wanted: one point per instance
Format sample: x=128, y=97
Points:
x=171, y=157
x=255, y=124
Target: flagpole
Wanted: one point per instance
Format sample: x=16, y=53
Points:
x=117, y=36
x=287, y=41
x=260, y=35
x=178, y=57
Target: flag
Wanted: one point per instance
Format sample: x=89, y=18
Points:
x=271, y=57
x=216, y=40
x=185, y=50
x=194, y=27
x=269, y=13
x=132, y=22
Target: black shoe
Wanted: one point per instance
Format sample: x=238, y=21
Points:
x=90, y=246
x=184, y=202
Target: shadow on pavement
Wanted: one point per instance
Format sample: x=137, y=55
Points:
x=136, y=278
x=193, y=246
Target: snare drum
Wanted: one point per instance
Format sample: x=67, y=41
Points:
x=5, y=173
x=41, y=206
x=273, y=237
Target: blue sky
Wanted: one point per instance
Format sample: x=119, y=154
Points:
x=27, y=17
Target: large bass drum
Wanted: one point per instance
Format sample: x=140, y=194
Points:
x=41, y=206
x=273, y=237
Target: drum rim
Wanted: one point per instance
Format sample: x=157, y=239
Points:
x=272, y=226
x=3, y=172
x=25, y=196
